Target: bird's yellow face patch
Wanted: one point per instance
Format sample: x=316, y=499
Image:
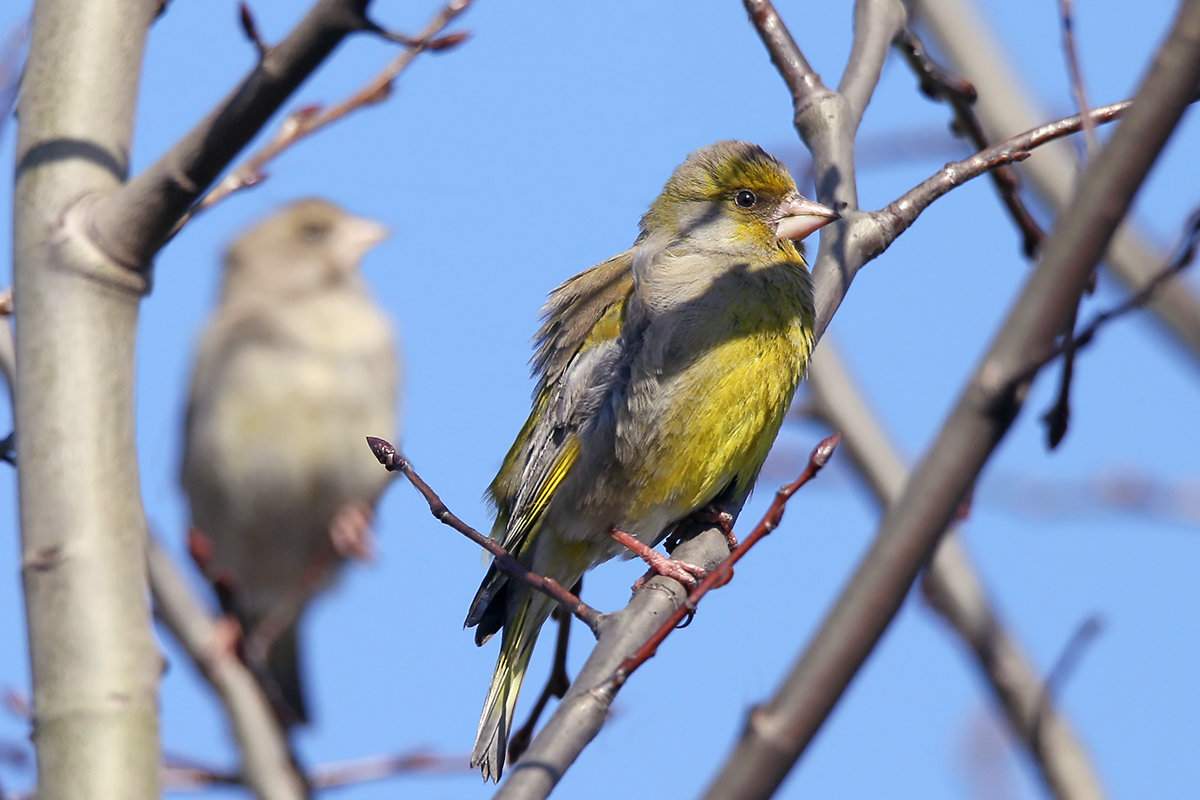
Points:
x=737, y=180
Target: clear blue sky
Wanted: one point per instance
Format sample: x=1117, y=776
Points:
x=527, y=155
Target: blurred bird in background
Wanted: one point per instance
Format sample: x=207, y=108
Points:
x=296, y=366
x=663, y=375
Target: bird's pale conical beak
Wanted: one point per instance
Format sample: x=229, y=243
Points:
x=801, y=217
x=363, y=233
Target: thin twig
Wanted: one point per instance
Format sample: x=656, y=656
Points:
x=724, y=572
x=184, y=773
x=1064, y=666
x=1081, y=101
x=394, y=461
x=308, y=120
x=268, y=764
x=373, y=768
x=903, y=211
x=1058, y=417
x=938, y=83
x=1185, y=254
x=250, y=28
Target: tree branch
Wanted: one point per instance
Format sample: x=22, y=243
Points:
x=94, y=662
x=131, y=224
x=268, y=768
x=1004, y=108
x=954, y=590
x=630, y=637
x=781, y=730
x=307, y=121
x=394, y=461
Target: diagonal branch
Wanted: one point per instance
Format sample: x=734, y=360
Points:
x=131, y=224
x=781, y=730
x=724, y=572
x=310, y=119
x=1004, y=107
x=393, y=461
x=268, y=768
x=954, y=589
x=629, y=637
x=938, y=84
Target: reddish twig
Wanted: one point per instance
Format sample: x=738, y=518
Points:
x=937, y=83
x=724, y=571
x=185, y=773
x=309, y=119
x=373, y=768
x=17, y=703
x=394, y=461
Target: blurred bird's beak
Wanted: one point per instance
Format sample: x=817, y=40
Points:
x=361, y=234
x=800, y=216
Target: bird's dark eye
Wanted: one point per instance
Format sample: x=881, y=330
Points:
x=745, y=198
x=312, y=231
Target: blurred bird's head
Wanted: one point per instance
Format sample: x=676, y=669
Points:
x=734, y=197
x=309, y=245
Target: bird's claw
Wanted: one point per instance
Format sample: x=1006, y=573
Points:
x=688, y=574
x=350, y=532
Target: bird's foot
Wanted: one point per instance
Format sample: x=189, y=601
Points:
x=711, y=514
x=687, y=574
x=350, y=532
x=715, y=515
x=200, y=548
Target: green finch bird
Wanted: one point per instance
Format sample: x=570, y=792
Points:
x=295, y=367
x=663, y=375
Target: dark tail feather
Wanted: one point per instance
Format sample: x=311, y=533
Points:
x=281, y=679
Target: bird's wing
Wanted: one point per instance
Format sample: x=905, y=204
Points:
x=582, y=313
x=208, y=374
x=578, y=348
x=574, y=311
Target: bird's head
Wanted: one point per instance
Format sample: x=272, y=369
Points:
x=308, y=245
x=734, y=195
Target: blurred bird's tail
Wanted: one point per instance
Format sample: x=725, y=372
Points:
x=516, y=646
x=283, y=663
x=278, y=671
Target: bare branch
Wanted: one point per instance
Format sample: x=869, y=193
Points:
x=1185, y=254
x=1091, y=146
x=628, y=638
x=308, y=120
x=938, y=84
x=896, y=216
x=724, y=572
x=1006, y=107
x=250, y=28
x=268, y=767
x=954, y=590
x=131, y=224
x=393, y=461
x=914, y=524
x=181, y=774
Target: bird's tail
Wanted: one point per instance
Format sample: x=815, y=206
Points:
x=283, y=663
x=278, y=669
x=516, y=647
